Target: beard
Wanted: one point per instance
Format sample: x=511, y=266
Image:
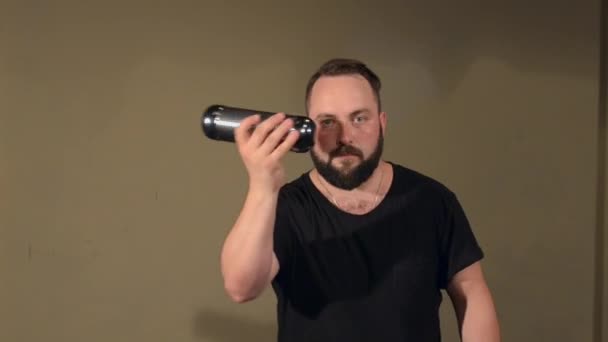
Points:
x=354, y=177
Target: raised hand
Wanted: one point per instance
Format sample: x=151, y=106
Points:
x=262, y=145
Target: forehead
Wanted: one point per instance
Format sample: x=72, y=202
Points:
x=341, y=95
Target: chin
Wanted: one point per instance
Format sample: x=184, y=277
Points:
x=345, y=166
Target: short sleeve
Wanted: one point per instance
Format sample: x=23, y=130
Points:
x=283, y=234
x=459, y=247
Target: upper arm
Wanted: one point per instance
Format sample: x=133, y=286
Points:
x=274, y=268
x=467, y=282
x=473, y=305
x=467, y=285
x=467, y=277
x=459, y=249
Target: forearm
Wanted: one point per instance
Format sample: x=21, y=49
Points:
x=247, y=253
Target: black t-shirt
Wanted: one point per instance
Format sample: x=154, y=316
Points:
x=372, y=277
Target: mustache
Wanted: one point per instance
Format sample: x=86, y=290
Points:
x=343, y=150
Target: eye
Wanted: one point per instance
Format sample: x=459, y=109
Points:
x=360, y=119
x=327, y=123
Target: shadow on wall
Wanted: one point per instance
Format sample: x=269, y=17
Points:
x=443, y=39
x=446, y=39
x=225, y=327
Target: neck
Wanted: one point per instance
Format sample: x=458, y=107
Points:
x=362, y=199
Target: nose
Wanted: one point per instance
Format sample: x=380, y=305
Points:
x=346, y=134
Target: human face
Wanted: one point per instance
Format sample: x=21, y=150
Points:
x=349, y=136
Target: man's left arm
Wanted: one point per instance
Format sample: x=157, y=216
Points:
x=474, y=306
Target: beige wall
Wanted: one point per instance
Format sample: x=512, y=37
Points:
x=114, y=206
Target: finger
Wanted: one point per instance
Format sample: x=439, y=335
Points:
x=265, y=127
x=243, y=132
x=286, y=145
x=276, y=136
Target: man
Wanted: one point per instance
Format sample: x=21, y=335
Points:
x=357, y=249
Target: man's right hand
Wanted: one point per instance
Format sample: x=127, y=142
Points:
x=263, y=147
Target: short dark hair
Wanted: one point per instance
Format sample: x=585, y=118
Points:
x=345, y=66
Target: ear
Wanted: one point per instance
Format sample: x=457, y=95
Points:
x=383, y=119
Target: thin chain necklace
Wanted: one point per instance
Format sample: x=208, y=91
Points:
x=333, y=199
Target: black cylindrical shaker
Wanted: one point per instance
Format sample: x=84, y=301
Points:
x=218, y=123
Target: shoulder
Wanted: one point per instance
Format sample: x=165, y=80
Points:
x=407, y=179
x=299, y=186
x=297, y=193
x=428, y=194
